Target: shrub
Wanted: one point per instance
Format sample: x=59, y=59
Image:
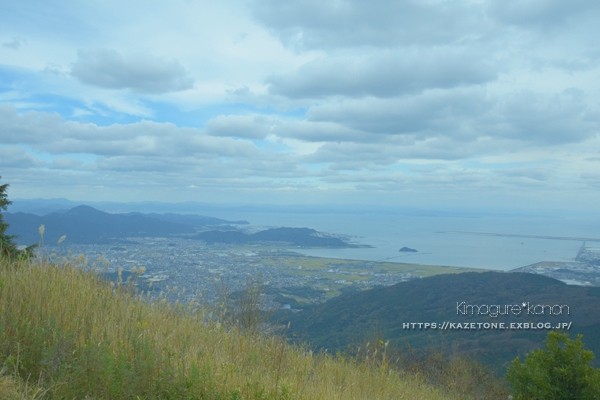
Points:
x=248, y=309
x=560, y=371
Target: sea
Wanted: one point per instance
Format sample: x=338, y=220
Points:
x=436, y=239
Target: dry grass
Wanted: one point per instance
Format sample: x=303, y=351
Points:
x=14, y=388
x=78, y=337
x=452, y=374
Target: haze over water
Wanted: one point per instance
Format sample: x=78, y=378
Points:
x=389, y=233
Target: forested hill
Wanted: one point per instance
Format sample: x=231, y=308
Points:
x=86, y=225
x=344, y=320
x=295, y=236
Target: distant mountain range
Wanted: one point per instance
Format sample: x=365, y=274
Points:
x=344, y=320
x=295, y=236
x=87, y=225
x=45, y=206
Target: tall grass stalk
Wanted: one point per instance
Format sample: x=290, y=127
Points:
x=451, y=372
x=76, y=336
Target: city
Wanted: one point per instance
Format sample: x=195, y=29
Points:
x=186, y=269
x=192, y=267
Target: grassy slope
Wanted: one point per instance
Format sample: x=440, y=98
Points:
x=64, y=334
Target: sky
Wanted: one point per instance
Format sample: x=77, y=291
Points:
x=432, y=103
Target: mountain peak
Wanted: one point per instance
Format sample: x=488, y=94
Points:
x=85, y=211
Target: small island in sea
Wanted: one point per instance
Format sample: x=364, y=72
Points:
x=408, y=249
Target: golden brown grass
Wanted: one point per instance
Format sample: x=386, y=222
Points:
x=451, y=373
x=78, y=337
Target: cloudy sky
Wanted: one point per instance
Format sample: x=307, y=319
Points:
x=408, y=102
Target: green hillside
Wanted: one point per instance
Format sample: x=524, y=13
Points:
x=296, y=236
x=335, y=325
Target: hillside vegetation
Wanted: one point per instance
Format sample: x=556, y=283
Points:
x=337, y=323
x=86, y=225
x=66, y=334
x=294, y=236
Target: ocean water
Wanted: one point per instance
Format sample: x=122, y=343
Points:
x=388, y=233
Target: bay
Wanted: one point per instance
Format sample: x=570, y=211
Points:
x=431, y=236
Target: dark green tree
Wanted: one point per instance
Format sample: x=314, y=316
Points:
x=560, y=371
x=8, y=247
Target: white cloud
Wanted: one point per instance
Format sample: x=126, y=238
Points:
x=49, y=133
x=384, y=74
x=251, y=127
x=140, y=73
x=16, y=157
x=459, y=97
x=471, y=115
x=66, y=164
x=137, y=147
x=310, y=24
x=550, y=14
